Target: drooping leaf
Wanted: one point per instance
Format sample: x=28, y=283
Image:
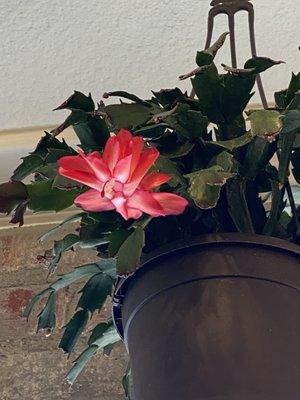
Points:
x=35, y=301
x=47, y=318
x=95, y=292
x=60, y=246
x=80, y=363
x=43, y=197
x=110, y=336
x=100, y=330
x=18, y=213
x=52, y=231
x=129, y=254
x=105, y=336
x=11, y=195
x=73, y=330
x=108, y=266
x=205, y=186
x=84, y=271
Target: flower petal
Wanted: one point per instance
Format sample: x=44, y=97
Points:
x=157, y=204
x=119, y=202
x=124, y=138
x=153, y=180
x=137, y=148
x=122, y=169
x=77, y=163
x=97, y=164
x=144, y=201
x=171, y=203
x=147, y=159
x=111, y=153
x=93, y=201
x=85, y=178
x=134, y=213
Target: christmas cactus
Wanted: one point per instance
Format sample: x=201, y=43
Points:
x=150, y=172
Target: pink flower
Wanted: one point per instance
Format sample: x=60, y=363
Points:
x=118, y=179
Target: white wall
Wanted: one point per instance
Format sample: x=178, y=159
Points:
x=51, y=47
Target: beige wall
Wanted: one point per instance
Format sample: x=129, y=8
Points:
x=49, y=48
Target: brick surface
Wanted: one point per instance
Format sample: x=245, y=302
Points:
x=31, y=366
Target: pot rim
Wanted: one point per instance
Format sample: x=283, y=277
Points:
x=202, y=240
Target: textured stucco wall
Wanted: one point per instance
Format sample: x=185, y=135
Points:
x=48, y=48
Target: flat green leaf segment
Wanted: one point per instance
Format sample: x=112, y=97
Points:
x=43, y=197
x=205, y=186
x=100, y=278
x=48, y=151
x=104, y=335
x=130, y=252
x=265, y=123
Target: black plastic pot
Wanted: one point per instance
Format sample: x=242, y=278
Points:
x=217, y=318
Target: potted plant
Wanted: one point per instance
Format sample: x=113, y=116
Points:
x=185, y=202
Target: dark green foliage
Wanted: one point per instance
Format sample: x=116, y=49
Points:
x=73, y=330
x=47, y=318
x=48, y=151
x=295, y=159
x=78, y=101
x=11, y=195
x=95, y=292
x=43, y=197
x=92, y=133
x=167, y=97
x=103, y=335
x=53, y=256
x=129, y=254
x=35, y=301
